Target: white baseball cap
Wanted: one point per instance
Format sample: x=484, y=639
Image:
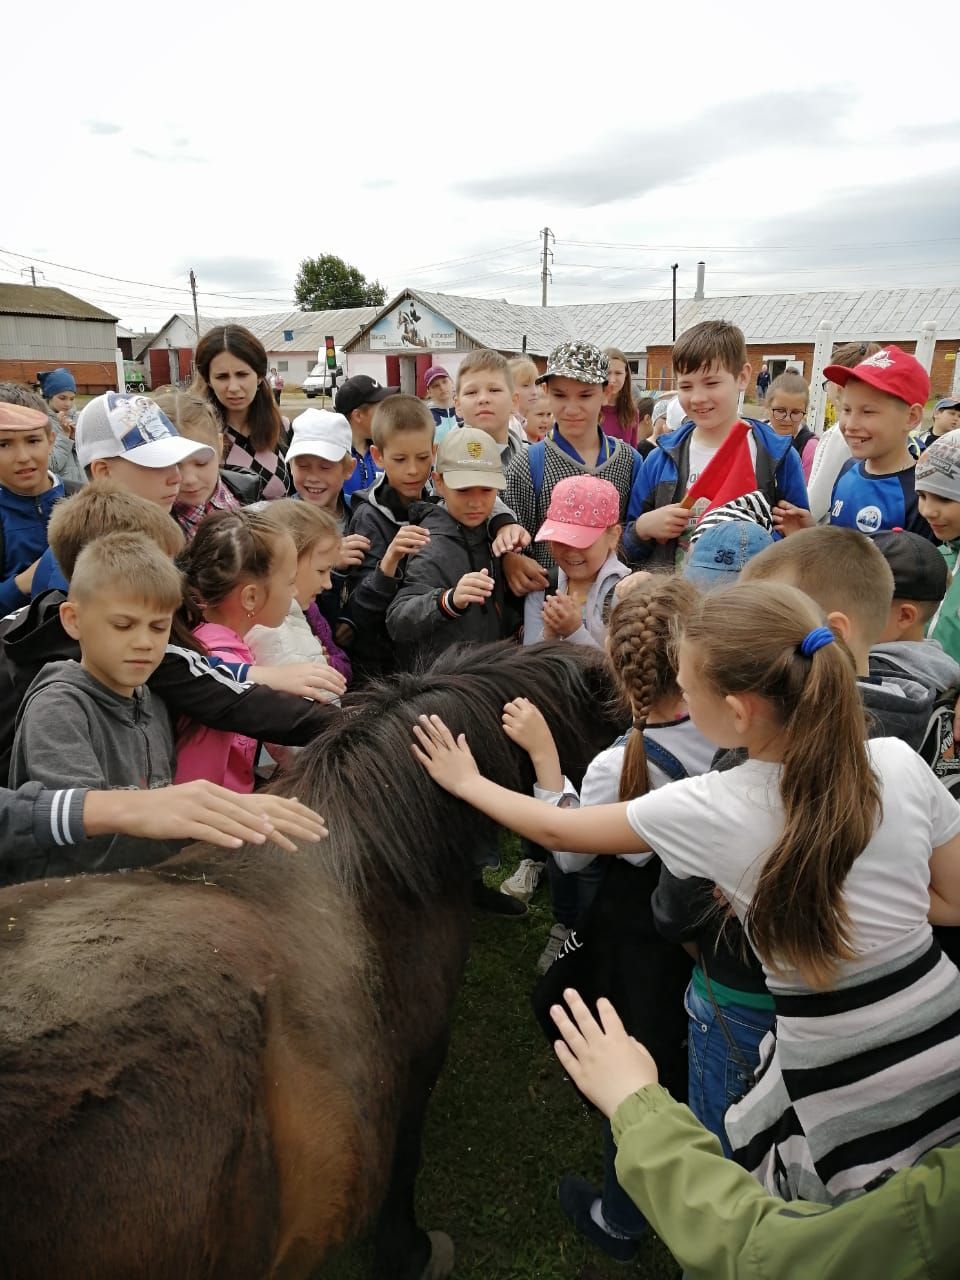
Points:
x=321, y=434
x=131, y=427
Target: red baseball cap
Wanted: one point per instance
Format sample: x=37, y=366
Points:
x=581, y=508
x=889, y=369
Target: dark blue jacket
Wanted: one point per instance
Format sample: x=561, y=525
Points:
x=23, y=527
x=663, y=480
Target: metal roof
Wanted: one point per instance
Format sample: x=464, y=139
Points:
x=309, y=328
x=886, y=314
x=42, y=300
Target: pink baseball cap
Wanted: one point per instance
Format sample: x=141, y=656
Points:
x=581, y=508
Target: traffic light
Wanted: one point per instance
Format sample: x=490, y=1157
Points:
x=331, y=353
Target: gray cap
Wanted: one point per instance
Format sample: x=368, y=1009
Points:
x=938, y=469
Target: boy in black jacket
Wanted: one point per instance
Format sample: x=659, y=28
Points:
x=453, y=590
x=403, y=433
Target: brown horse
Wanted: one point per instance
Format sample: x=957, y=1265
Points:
x=220, y=1067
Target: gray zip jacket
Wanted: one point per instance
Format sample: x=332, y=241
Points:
x=74, y=732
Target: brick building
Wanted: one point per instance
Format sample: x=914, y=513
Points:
x=41, y=328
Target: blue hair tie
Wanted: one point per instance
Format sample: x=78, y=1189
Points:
x=815, y=640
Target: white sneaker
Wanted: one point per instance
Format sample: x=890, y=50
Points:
x=523, y=883
x=557, y=937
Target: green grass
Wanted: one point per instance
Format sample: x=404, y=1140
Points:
x=504, y=1125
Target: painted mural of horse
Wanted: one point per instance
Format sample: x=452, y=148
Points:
x=219, y=1068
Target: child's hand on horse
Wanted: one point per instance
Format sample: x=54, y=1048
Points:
x=561, y=616
x=448, y=761
x=201, y=810
x=605, y=1063
x=304, y=679
x=512, y=537
x=523, y=723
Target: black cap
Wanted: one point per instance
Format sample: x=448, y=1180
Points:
x=360, y=390
x=919, y=570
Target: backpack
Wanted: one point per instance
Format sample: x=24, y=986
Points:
x=938, y=748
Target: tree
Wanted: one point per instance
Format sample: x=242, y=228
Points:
x=328, y=283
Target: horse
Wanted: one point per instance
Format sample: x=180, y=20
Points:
x=219, y=1067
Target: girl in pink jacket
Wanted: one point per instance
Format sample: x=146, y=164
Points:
x=240, y=572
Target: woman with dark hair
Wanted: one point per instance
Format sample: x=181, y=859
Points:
x=232, y=372
x=619, y=417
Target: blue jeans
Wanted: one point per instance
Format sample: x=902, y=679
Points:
x=720, y=1075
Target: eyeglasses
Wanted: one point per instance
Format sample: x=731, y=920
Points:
x=781, y=415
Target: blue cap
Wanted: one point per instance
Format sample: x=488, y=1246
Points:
x=948, y=402
x=53, y=381
x=720, y=553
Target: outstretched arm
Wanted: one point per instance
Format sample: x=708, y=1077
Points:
x=599, y=829
x=713, y=1216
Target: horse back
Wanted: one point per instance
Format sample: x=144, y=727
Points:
x=132, y=1136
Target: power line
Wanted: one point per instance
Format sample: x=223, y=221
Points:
x=739, y=248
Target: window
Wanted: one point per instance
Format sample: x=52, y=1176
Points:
x=288, y=335
x=283, y=366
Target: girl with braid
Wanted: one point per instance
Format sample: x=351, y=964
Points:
x=616, y=940
x=835, y=853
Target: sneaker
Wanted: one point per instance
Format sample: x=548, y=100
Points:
x=577, y=1198
x=523, y=883
x=558, y=936
x=495, y=903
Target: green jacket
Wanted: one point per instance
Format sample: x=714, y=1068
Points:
x=946, y=629
x=720, y=1224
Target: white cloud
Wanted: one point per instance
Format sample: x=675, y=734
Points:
x=240, y=142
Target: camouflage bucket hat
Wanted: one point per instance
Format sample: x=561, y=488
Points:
x=581, y=361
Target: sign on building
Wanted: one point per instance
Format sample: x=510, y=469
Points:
x=411, y=327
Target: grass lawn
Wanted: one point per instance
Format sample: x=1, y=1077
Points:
x=503, y=1126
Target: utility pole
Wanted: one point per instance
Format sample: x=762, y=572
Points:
x=674, y=269
x=545, y=256
x=196, y=314
x=33, y=274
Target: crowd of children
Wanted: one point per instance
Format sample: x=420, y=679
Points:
x=193, y=583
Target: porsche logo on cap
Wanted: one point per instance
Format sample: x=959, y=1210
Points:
x=475, y=450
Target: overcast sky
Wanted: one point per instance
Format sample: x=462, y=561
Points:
x=814, y=150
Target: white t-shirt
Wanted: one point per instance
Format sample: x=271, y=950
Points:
x=601, y=782
x=721, y=825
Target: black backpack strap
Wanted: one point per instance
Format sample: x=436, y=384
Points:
x=553, y=582
x=663, y=759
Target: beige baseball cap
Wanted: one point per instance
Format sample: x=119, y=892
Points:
x=468, y=458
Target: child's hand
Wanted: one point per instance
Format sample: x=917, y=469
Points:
x=512, y=537
x=313, y=680
x=523, y=574
x=561, y=616
x=67, y=423
x=789, y=519
x=449, y=763
x=523, y=723
x=602, y=1060
x=352, y=550
x=410, y=539
x=473, y=588
x=664, y=523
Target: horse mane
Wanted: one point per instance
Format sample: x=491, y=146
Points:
x=389, y=823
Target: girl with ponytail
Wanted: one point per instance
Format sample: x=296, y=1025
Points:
x=835, y=853
x=615, y=949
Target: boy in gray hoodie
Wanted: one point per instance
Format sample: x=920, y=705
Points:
x=93, y=723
